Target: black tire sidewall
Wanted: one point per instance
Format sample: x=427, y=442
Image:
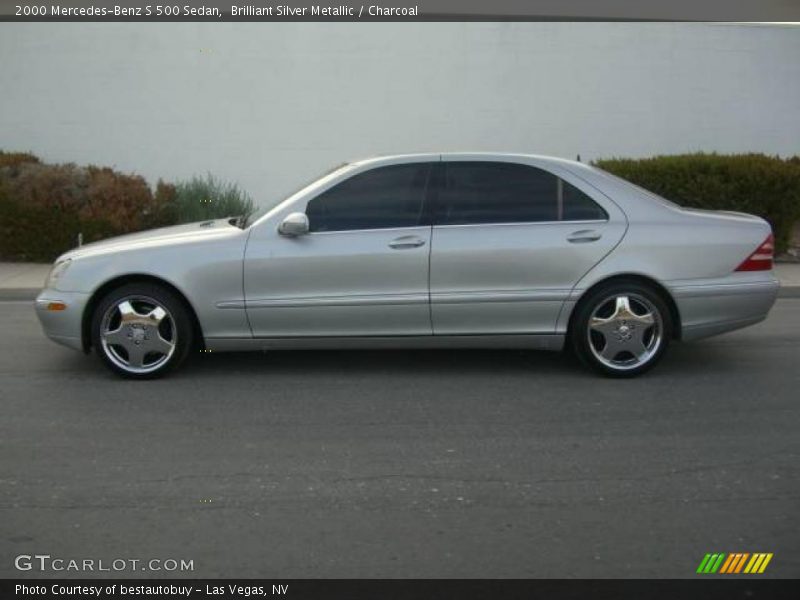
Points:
x=579, y=340
x=170, y=301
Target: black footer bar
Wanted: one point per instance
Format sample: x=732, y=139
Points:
x=704, y=588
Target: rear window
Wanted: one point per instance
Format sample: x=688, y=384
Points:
x=495, y=192
x=486, y=192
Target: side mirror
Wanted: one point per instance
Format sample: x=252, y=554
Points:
x=294, y=225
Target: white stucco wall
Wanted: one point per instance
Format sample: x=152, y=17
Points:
x=271, y=105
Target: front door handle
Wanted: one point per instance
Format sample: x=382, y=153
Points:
x=583, y=236
x=406, y=241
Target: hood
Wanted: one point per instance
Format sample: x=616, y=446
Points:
x=155, y=237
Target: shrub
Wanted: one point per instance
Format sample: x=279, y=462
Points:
x=41, y=234
x=44, y=207
x=204, y=198
x=753, y=183
x=15, y=159
x=162, y=212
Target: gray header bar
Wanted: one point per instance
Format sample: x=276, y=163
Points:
x=402, y=10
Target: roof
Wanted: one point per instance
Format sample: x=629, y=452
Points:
x=431, y=156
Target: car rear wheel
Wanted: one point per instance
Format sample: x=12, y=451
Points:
x=622, y=329
x=141, y=331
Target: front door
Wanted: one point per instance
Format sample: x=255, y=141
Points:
x=362, y=270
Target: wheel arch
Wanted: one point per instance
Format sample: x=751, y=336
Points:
x=657, y=286
x=112, y=284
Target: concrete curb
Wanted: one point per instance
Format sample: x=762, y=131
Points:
x=29, y=294
x=19, y=294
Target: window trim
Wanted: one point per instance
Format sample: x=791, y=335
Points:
x=560, y=198
x=370, y=230
x=524, y=223
x=425, y=213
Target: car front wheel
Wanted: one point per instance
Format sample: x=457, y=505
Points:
x=141, y=331
x=622, y=329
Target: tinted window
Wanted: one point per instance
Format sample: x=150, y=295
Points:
x=578, y=206
x=383, y=197
x=495, y=192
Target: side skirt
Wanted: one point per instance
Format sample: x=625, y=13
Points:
x=534, y=342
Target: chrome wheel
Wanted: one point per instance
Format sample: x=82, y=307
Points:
x=138, y=334
x=625, y=331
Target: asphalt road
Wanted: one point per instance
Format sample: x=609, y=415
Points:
x=404, y=464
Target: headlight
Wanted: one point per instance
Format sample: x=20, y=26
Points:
x=56, y=272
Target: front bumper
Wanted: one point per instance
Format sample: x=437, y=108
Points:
x=62, y=326
x=716, y=307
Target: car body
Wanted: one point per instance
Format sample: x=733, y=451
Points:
x=429, y=250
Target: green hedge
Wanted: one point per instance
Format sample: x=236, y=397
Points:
x=202, y=198
x=44, y=207
x=753, y=183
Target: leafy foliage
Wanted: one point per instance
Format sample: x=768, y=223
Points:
x=44, y=207
x=15, y=159
x=203, y=198
x=753, y=183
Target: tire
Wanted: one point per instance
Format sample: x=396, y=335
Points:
x=621, y=329
x=141, y=331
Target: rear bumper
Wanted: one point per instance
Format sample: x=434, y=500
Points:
x=62, y=326
x=719, y=306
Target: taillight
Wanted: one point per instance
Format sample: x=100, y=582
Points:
x=761, y=259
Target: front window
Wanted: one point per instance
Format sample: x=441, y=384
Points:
x=381, y=198
x=248, y=220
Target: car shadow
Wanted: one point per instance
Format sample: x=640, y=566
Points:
x=682, y=360
x=395, y=362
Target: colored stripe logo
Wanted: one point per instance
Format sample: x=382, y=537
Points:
x=737, y=562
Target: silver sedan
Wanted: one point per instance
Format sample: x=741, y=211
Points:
x=427, y=250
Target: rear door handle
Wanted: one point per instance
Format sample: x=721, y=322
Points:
x=583, y=236
x=406, y=241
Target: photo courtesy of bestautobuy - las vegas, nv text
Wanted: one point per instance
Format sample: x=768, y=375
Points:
x=434, y=300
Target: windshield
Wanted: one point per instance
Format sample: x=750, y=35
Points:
x=246, y=220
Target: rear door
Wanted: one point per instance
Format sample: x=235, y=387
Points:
x=509, y=243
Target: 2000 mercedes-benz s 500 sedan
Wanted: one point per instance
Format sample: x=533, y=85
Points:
x=426, y=250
